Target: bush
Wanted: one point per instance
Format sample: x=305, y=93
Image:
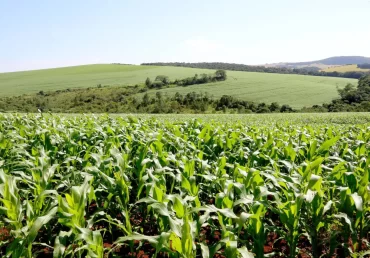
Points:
x=157, y=84
x=148, y=82
x=162, y=78
x=286, y=109
x=220, y=75
x=274, y=107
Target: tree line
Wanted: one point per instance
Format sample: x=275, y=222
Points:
x=204, y=102
x=162, y=80
x=363, y=66
x=313, y=71
x=128, y=100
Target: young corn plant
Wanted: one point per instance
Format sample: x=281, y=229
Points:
x=190, y=188
x=179, y=220
x=256, y=228
x=24, y=235
x=72, y=211
x=315, y=218
x=290, y=213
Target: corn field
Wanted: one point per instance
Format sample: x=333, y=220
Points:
x=88, y=186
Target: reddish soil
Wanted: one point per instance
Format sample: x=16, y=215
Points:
x=4, y=234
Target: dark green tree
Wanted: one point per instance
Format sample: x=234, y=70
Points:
x=364, y=66
x=274, y=107
x=159, y=96
x=162, y=78
x=146, y=100
x=148, y=82
x=286, y=109
x=221, y=75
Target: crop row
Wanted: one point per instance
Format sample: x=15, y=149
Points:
x=89, y=186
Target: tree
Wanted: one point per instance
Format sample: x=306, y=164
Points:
x=157, y=84
x=349, y=94
x=225, y=100
x=178, y=97
x=162, y=78
x=286, y=109
x=159, y=96
x=262, y=108
x=364, y=66
x=364, y=83
x=274, y=107
x=148, y=82
x=146, y=100
x=349, y=88
x=221, y=75
x=204, y=78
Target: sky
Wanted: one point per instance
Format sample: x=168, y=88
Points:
x=43, y=34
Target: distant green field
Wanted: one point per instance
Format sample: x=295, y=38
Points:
x=295, y=90
x=345, y=68
x=273, y=119
x=255, y=119
x=18, y=83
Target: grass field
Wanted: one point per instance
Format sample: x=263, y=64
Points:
x=345, y=68
x=295, y=90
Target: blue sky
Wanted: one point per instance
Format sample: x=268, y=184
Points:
x=41, y=34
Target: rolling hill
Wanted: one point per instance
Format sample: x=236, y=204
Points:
x=295, y=90
x=84, y=76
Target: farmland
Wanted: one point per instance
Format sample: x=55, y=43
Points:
x=345, y=68
x=295, y=90
x=320, y=119
x=171, y=186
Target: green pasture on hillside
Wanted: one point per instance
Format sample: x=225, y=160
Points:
x=295, y=90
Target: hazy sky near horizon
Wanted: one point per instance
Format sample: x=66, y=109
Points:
x=42, y=34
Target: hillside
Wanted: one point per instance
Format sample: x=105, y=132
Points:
x=84, y=76
x=313, y=70
x=324, y=63
x=295, y=90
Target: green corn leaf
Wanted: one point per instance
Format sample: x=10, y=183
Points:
x=345, y=218
x=358, y=201
x=179, y=208
x=324, y=147
x=151, y=239
x=243, y=251
x=175, y=243
x=205, y=250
